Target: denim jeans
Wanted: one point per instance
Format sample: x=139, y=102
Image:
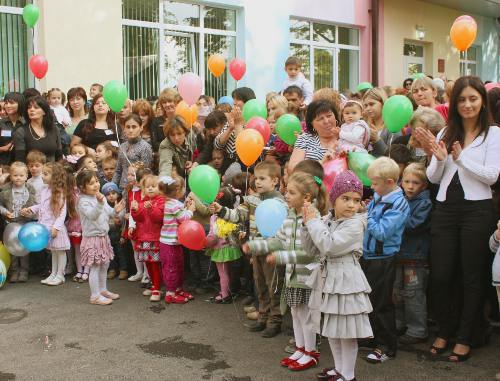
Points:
x=410, y=288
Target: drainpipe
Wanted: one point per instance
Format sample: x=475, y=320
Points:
x=375, y=27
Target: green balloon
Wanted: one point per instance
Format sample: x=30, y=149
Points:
x=30, y=15
x=254, y=107
x=364, y=86
x=115, y=94
x=287, y=126
x=204, y=181
x=418, y=75
x=359, y=163
x=397, y=112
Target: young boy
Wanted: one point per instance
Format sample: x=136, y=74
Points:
x=412, y=261
x=387, y=215
x=295, y=77
x=108, y=169
x=268, y=284
x=35, y=161
x=15, y=196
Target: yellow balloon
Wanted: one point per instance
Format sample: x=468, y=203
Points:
x=4, y=256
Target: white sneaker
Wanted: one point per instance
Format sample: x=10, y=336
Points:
x=135, y=278
x=50, y=278
x=57, y=281
x=147, y=292
x=145, y=279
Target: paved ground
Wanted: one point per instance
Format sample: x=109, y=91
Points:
x=54, y=334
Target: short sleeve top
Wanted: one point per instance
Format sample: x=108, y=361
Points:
x=311, y=145
x=96, y=136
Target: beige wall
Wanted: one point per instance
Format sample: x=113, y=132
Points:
x=82, y=41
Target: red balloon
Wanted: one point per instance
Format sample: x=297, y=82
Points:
x=332, y=168
x=192, y=235
x=237, y=68
x=38, y=65
x=261, y=125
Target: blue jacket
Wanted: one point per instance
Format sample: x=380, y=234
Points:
x=416, y=242
x=387, y=218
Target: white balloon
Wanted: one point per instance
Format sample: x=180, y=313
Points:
x=11, y=242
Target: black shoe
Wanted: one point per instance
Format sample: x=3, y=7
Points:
x=410, y=340
x=271, y=331
x=248, y=300
x=257, y=327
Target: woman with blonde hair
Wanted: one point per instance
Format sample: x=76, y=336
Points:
x=167, y=101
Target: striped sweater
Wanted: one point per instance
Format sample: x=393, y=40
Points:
x=173, y=216
x=287, y=247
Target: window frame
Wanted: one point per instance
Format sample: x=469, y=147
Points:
x=413, y=59
x=163, y=27
x=464, y=63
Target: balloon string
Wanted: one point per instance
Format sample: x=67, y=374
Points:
x=246, y=184
x=390, y=144
x=120, y=144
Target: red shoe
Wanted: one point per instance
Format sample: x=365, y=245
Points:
x=287, y=361
x=175, y=299
x=184, y=294
x=312, y=362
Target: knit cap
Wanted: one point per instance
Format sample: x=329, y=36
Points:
x=345, y=182
x=110, y=187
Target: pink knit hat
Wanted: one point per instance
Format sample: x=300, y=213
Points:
x=345, y=182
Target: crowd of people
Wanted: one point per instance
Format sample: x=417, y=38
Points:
x=356, y=264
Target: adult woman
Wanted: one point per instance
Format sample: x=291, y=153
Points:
x=143, y=108
x=99, y=127
x=465, y=163
x=39, y=132
x=242, y=95
x=77, y=107
x=424, y=92
x=380, y=137
x=176, y=150
x=168, y=100
x=13, y=106
x=322, y=133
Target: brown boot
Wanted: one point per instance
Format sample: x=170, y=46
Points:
x=123, y=275
x=14, y=277
x=111, y=274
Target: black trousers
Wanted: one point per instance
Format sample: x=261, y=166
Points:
x=380, y=274
x=459, y=263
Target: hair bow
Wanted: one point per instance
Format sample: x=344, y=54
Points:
x=167, y=180
x=72, y=159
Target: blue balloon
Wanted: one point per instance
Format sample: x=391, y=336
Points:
x=269, y=217
x=34, y=236
x=226, y=99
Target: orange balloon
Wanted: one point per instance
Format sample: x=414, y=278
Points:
x=249, y=146
x=216, y=65
x=188, y=113
x=463, y=32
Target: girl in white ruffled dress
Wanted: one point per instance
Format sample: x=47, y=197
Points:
x=339, y=286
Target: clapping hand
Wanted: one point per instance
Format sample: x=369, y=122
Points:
x=456, y=150
x=120, y=206
x=308, y=212
x=134, y=205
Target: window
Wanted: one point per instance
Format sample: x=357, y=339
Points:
x=329, y=53
x=164, y=39
x=469, y=61
x=413, y=58
x=15, y=48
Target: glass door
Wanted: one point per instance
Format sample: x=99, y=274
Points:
x=179, y=56
x=324, y=62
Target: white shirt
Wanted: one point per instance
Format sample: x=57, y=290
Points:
x=478, y=167
x=303, y=83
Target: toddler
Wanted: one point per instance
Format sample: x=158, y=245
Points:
x=354, y=133
x=295, y=77
x=56, y=100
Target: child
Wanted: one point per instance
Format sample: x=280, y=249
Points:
x=95, y=90
x=108, y=169
x=35, y=161
x=113, y=197
x=148, y=216
x=105, y=150
x=56, y=200
x=267, y=177
x=412, y=269
x=171, y=254
x=78, y=150
x=223, y=245
x=56, y=100
x=295, y=77
x=217, y=159
x=387, y=215
x=15, y=196
x=495, y=247
x=134, y=149
x=286, y=249
x=96, y=249
x=354, y=133
x=339, y=287
x=86, y=163
x=401, y=155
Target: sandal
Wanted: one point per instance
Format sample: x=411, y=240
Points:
x=84, y=278
x=216, y=298
x=436, y=351
x=226, y=300
x=456, y=357
x=77, y=277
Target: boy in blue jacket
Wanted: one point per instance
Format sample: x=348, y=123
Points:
x=412, y=269
x=387, y=216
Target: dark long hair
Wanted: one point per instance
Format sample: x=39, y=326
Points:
x=77, y=92
x=48, y=118
x=455, y=129
x=494, y=104
x=91, y=121
x=319, y=107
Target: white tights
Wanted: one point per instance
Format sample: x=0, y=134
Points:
x=141, y=269
x=344, y=353
x=97, y=279
x=59, y=261
x=303, y=331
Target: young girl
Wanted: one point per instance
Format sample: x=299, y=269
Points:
x=56, y=100
x=354, y=132
x=287, y=249
x=78, y=150
x=148, y=216
x=55, y=201
x=86, y=163
x=171, y=254
x=339, y=286
x=96, y=248
x=223, y=244
x=104, y=152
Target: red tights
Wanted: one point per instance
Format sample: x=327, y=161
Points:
x=154, y=271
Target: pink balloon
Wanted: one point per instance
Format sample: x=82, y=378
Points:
x=491, y=85
x=332, y=168
x=38, y=65
x=261, y=125
x=190, y=88
x=237, y=68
